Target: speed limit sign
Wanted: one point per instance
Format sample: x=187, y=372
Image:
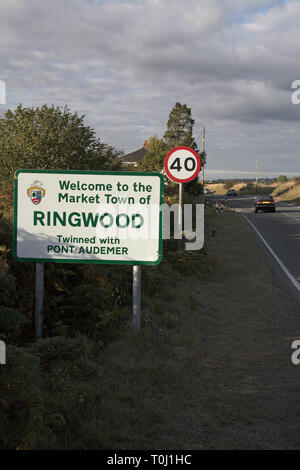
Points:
x=182, y=164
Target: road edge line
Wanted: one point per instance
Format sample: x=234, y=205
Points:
x=283, y=267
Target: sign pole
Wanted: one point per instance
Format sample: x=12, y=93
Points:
x=180, y=241
x=39, y=298
x=136, y=298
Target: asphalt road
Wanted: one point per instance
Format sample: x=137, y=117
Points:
x=280, y=230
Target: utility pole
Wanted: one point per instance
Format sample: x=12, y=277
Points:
x=203, y=150
x=257, y=173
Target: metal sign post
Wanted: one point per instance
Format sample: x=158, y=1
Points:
x=2, y=353
x=180, y=241
x=39, y=298
x=136, y=297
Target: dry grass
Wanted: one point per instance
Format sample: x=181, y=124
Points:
x=219, y=188
x=289, y=191
x=281, y=188
x=216, y=188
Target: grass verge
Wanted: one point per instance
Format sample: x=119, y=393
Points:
x=219, y=375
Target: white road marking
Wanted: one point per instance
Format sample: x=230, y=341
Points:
x=283, y=267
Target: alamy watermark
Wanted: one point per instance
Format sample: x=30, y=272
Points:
x=296, y=354
x=296, y=93
x=184, y=229
x=135, y=222
x=2, y=353
x=2, y=92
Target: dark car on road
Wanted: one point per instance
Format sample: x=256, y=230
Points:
x=206, y=191
x=231, y=192
x=264, y=203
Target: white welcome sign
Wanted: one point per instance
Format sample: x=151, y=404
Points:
x=88, y=217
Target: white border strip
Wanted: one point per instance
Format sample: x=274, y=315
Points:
x=286, y=271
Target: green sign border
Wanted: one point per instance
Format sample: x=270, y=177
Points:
x=86, y=172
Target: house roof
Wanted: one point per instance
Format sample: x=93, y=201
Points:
x=135, y=156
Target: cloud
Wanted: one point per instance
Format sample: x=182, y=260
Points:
x=125, y=64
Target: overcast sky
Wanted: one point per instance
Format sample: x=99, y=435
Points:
x=124, y=64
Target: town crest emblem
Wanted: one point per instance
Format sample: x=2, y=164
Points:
x=36, y=192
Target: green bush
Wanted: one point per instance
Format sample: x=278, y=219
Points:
x=21, y=410
x=228, y=184
x=51, y=137
x=282, y=179
x=49, y=393
x=194, y=188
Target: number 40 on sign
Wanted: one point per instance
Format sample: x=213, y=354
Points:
x=182, y=164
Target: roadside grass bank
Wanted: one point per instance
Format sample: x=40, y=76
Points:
x=210, y=368
x=288, y=192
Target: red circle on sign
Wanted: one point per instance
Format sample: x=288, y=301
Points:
x=182, y=180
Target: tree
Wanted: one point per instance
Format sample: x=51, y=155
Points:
x=282, y=179
x=179, y=133
x=202, y=156
x=154, y=159
x=51, y=137
x=180, y=127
